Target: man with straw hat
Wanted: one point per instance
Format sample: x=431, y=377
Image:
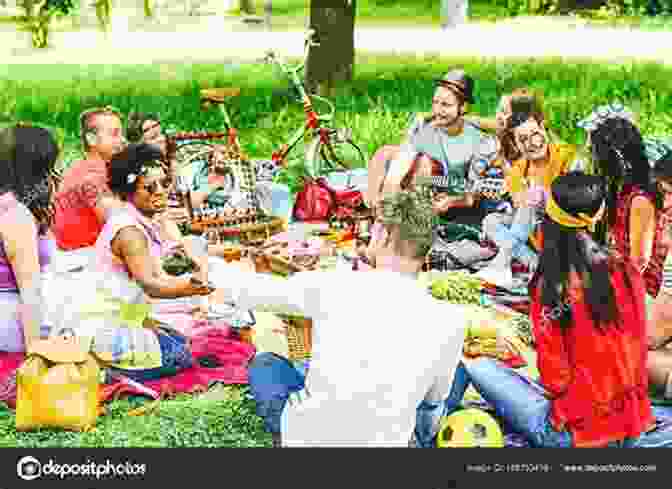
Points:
x=445, y=145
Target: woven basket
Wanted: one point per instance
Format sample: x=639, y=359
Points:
x=299, y=338
x=299, y=330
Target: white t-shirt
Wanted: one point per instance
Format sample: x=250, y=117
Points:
x=380, y=345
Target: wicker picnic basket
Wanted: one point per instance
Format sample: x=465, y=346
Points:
x=270, y=259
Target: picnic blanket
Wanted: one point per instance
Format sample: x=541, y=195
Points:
x=220, y=357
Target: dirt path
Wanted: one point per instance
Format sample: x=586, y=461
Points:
x=215, y=38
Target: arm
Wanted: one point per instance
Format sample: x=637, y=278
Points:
x=485, y=123
x=642, y=231
x=444, y=203
x=21, y=249
x=298, y=295
x=130, y=245
x=554, y=369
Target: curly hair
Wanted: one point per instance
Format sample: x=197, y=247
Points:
x=619, y=155
x=508, y=148
x=28, y=157
x=135, y=160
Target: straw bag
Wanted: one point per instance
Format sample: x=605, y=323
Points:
x=57, y=386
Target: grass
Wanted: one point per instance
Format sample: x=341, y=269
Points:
x=376, y=106
x=185, y=421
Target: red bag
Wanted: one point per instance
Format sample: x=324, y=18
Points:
x=315, y=202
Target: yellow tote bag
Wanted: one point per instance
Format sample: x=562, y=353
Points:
x=57, y=386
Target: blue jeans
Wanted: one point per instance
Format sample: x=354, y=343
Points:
x=511, y=231
x=520, y=403
x=273, y=379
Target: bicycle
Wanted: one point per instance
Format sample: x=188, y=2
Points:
x=328, y=149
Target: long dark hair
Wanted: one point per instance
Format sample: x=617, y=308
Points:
x=28, y=158
x=619, y=155
x=569, y=250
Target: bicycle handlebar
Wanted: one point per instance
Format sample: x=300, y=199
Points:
x=273, y=57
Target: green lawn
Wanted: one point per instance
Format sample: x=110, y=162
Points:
x=376, y=106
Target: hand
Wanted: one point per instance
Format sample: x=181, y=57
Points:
x=535, y=197
x=441, y=204
x=196, y=287
x=178, y=215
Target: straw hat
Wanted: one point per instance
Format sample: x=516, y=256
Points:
x=460, y=83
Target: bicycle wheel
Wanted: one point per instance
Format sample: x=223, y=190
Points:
x=339, y=153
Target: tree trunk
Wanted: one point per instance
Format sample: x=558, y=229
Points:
x=247, y=7
x=331, y=63
x=268, y=9
x=454, y=12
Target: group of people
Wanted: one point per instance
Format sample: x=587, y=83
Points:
x=600, y=306
x=590, y=225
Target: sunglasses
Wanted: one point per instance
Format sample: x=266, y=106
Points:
x=156, y=187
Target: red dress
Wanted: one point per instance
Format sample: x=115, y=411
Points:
x=653, y=275
x=597, y=380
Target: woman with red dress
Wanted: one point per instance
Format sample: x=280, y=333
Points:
x=589, y=327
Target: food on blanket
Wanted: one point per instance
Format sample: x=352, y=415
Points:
x=178, y=264
x=470, y=428
x=311, y=247
x=458, y=288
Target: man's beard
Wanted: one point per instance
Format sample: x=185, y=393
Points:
x=448, y=122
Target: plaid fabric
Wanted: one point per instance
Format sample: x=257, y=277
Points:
x=653, y=275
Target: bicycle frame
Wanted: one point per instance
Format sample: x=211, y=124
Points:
x=314, y=121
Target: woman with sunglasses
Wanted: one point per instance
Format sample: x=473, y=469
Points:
x=634, y=204
x=27, y=159
x=589, y=326
x=127, y=268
